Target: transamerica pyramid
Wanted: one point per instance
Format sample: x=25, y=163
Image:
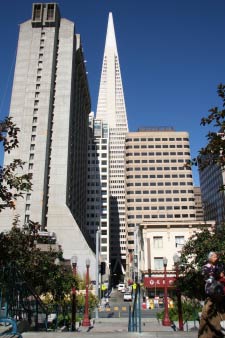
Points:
x=111, y=109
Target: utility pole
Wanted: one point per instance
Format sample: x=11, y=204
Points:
x=97, y=269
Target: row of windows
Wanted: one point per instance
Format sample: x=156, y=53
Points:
x=138, y=192
x=103, y=177
x=157, y=168
x=173, y=160
x=153, y=184
x=103, y=170
x=153, y=200
x=160, y=176
x=161, y=207
x=161, y=216
x=159, y=153
x=35, y=118
x=156, y=139
x=103, y=155
x=97, y=147
x=157, y=146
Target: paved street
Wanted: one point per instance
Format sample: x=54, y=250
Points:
x=119, y=308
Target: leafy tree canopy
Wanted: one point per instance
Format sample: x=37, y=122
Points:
x=12, y=184
x=194, y=255
x=214, y=151
x=19, y=248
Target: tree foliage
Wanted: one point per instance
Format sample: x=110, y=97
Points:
x=214, y=151
x=19, y=248
x=194, y=255
x=12, y=184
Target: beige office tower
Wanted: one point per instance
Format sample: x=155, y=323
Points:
x=98, y=185
x=198, y=204
x=111, y=109
x=50, y=104
x=159, y=186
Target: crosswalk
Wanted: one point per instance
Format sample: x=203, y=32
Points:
x=114, y=309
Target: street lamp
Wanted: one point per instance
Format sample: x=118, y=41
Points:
x=176, y=260
x=166, y=320
x=73, y=316
x=86, y=320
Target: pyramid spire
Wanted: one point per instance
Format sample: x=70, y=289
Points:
x=110, y=35
x=111, y=104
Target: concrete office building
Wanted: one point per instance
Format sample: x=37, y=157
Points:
x=98, y=185
x=198, y=204
x=111, y=109
x=159, y=187
x=212, y=178
x=50, y=104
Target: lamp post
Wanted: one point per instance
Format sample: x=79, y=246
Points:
x=166, y=320
x=73, y=316
x=176, y=260
x=86, y=320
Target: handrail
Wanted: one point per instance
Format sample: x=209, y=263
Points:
x=13, y=329
x=134, y=322
x=19, y=296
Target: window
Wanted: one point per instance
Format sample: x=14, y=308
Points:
x=158, y=242
x=158, y=263
x=27, y=218
x=179, y=241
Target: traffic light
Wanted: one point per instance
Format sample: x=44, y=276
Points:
x=102, y=268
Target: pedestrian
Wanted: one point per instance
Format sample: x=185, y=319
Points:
x=213, y=311
x=107, y=303
x=222, y=279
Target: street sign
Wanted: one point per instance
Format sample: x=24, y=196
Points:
x=158, y=282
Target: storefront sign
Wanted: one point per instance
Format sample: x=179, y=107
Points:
x=158, y=282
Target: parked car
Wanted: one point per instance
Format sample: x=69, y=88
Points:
x=127, y=297
x=121, y=286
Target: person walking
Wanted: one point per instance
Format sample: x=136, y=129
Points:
x=213, y=311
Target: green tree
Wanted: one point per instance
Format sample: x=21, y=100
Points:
x=194, y=255
x=214, y=151
x=38, y=268
x=12, y=184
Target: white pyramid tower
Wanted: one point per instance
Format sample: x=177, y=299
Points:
x=111, y=109
x=111, y=104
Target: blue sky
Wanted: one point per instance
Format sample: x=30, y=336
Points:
x=172, y=56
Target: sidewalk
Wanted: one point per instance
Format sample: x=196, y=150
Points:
x=111, y=328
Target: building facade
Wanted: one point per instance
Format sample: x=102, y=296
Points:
x=98, y=185
x=112, y=110
x=198, y=204
x=158, y=239
x=159, y=186
x=212, y=178
x=50, y=104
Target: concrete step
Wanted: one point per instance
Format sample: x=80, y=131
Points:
x=110, y=334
